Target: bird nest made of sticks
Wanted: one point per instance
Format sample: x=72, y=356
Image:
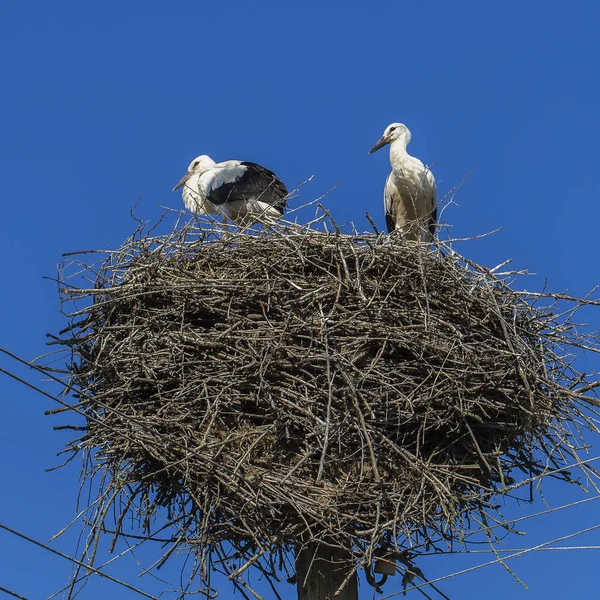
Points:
x=266, y=389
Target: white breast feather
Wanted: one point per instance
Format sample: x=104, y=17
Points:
x=192, y=196
x=410, y=194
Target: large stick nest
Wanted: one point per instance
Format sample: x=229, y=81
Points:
x=279, y=387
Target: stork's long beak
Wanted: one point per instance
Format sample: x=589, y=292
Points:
x=182, y=181
x=384, y=141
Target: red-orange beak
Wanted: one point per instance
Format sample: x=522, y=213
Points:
x=384, y=141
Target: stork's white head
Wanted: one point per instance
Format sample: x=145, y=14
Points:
x=393, y=132
x=199, y=165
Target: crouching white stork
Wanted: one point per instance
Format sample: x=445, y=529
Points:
x=237, y=190
x=409, y=194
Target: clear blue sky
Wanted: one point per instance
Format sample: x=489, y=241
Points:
x=105, y=102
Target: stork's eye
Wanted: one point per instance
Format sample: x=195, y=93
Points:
x=392, y=129
x=196, y=163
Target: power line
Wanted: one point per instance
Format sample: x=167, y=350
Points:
x=14, y=594
x=498, y=560
x=509, y=550
x=74, y=560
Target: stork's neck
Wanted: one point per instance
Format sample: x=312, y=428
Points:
x=398, y=153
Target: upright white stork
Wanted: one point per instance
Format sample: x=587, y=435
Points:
x=409, y=194
x=237, y=190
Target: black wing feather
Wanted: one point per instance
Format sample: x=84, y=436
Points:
x=433, y=222
x=256, y=183
x=389, y=222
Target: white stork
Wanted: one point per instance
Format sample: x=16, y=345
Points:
x=410, y=194
x=237, y=190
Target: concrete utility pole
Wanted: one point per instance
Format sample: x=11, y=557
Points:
x=321, y=570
